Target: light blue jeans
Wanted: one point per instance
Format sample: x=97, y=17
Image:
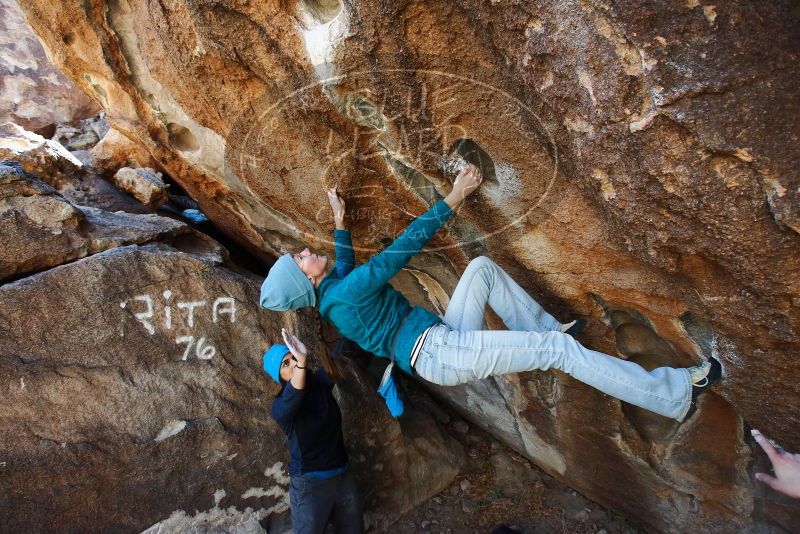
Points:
x=462, y=350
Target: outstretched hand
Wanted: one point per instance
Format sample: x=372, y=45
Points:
x=785, y=464
x=296, y=347
x=466, y=183
x=337, y=205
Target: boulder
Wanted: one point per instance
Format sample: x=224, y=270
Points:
x=115, y=150
x=134, y=397
x=78, y=181
x=145, y=185
x=33, y=92
x=50, y=162
x=90, y=189
x=144, y=404
x=643, y=158
x=81, y=135
x=39, y=156
x=40, y=229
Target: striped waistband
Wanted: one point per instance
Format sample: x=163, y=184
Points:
x=418, y=344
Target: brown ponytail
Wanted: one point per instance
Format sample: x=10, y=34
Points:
x=335, y=369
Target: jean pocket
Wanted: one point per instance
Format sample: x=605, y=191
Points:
x=465, y=375
x=423, y=361
x=452, y=376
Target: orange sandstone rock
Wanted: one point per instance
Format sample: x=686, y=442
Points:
x=645, y=160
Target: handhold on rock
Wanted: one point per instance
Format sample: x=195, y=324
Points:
x=473, y=153
x=144, y=184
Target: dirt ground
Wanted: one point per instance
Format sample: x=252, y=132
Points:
x=500, y=487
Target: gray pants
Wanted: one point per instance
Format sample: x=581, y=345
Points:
x=462, y=350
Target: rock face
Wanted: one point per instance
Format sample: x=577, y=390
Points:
x=147, y=400
x=40, y=229
x=133, y=394
x=33, y=93
x=115, y=151
x=144, y=184
x=644, y=158
x=36, y=154
x=83, y=135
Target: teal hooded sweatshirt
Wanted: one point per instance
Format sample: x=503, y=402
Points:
x=365, y=308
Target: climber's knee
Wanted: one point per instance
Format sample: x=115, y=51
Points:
x=479, y=262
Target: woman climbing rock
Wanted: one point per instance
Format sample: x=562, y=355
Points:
x=321, y=488
x=457, y=348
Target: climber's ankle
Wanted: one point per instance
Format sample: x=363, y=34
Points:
x=573, y=328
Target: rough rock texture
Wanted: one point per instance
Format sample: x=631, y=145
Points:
x=40, y=229
x=145, y=185
x=37, y=155
x=644, y=175
x=133, y=394
x=82, y=135
x=50, y=162
x=33, y=93
x=146, y=402
x=115, y=151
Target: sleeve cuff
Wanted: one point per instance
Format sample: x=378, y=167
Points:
x=441, y=207
x=337, y=232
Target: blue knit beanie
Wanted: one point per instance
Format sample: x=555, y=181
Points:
x=272, y=361
x=286, y=287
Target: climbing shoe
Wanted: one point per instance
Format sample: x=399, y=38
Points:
x=704, y=376
x=574, y=328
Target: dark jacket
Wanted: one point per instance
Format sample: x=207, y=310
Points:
x=312, y=421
